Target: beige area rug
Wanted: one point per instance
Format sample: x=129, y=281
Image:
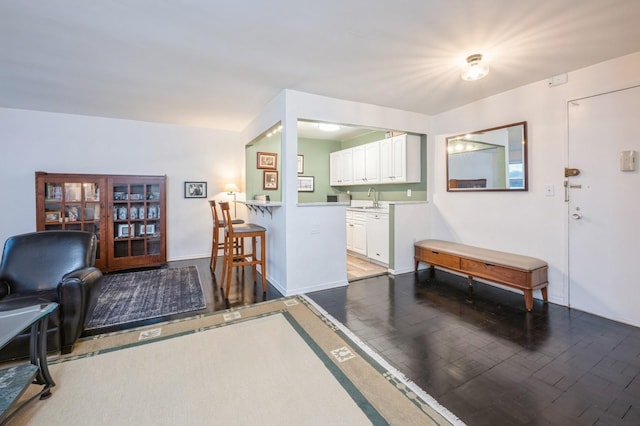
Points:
x=278, y=362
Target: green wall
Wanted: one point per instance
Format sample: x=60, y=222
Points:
x=316, y=164
x=255, y=176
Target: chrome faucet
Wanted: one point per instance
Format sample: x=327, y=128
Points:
x=375, y=196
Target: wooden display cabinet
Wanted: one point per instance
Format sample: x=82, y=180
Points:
x=126, y=213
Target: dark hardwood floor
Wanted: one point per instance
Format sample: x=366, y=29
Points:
x=486, y=359
x=478, y=352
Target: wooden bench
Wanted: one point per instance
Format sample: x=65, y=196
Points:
x=524, y=273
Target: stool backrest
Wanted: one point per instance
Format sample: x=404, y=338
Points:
x=214, y=213
x=226, y=216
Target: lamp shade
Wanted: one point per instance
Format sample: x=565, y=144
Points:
x=476, y=68
x=231, y=188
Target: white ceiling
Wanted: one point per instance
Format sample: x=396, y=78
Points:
x=217, y=63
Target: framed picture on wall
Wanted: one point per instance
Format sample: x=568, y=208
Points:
x=305, y=184
x=267, y=160
x=195, y=190
x=270, y=180
x=300, y=163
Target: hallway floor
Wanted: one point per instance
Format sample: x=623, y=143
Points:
x=486, y=359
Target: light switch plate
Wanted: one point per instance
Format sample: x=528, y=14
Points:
x=628, y=161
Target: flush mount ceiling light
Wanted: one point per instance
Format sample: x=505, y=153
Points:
x=476, y=68
x=328, y=127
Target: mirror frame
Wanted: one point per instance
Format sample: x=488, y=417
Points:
x=525, y=172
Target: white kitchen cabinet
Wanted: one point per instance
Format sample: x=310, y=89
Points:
x=400, y=159
x=377, y=229
x=366, y=164
x=341, y=167
x=357, y=232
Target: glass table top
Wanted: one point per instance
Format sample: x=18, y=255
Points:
x=13, y=322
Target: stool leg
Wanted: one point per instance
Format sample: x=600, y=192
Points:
x=253, y=259
x=263, y=263
x=229, y=269
x=214, y=250
x=225, y=255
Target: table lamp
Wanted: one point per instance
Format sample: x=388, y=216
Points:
x=231, y=189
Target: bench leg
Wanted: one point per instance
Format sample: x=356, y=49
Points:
x=470, y=280
x=415, y=269
x=545, y=296
x=528, y=299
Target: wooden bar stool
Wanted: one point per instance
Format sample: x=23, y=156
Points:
x=234, y=258
x=216, y=244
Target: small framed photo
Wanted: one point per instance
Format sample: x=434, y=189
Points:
x=270, y=180
x=305, y=184
x=125, y=230
x=268, y=160
x=52, y=216
x=149, y=229
x=300, y=164
x=195, y=190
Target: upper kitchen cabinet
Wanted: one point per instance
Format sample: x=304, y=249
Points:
x=392, y=160
x=366, y=164
x=341, y=167
x=400, y=159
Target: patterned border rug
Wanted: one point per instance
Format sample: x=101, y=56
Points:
x=279, y=362
x=136, y=296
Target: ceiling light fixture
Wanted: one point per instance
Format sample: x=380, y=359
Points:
x=476, y=68
x=328, y=127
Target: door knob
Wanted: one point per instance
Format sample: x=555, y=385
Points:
x=577, y=216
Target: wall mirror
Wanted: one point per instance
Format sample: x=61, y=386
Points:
x=488, y=160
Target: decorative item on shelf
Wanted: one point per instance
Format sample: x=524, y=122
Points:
x=476, y=68
x=267, y=160
x=125, y=230
x=231, y=189
x=152, y=212
x=133, y=213
x=141, y=213
x=149, y=229
x=122, y=213
x=50, y=217
x=300, y=164
x=305, y=183
x=118, y=196
x=72, y=213
x=195, y=190
x=270, y=180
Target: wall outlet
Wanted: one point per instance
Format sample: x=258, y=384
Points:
x=408, y=193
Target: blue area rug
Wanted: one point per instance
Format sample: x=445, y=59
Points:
x=137, y=296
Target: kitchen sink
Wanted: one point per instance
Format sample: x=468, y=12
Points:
x=378, y=209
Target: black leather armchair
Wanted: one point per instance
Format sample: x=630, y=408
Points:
x=50, y=266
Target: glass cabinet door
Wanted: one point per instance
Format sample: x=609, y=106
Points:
x=72, y=204
x=137, y=218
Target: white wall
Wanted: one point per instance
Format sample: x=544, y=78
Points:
x=310, y=241
x=528, y=223
x=41, y=141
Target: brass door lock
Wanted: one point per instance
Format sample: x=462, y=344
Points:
x=571, y=172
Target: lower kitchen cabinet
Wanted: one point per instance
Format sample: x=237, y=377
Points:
x=356, y=232
x=377, y=228
x=368, y=235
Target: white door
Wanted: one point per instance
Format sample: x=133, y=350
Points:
x=604, y=206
